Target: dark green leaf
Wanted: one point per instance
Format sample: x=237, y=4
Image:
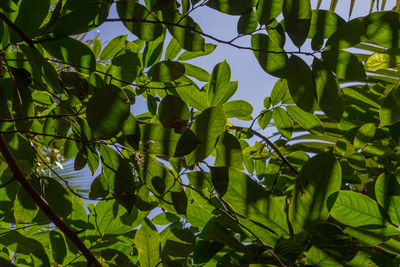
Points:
x=308, y=121
x=113, y=47
x=229, y=152
x=167, y=71
x=274, y=62
x=138, y=14
x=297, y=15
x=71, y=51
x=268, y=9
x=208, y=49
x=300, y=83
x=347, y=35
x=283, y=122
x=237, y=108
x=383, y=28
x=207, y=127
x=59, y=248
x=106, y=112
x=218, y=83
x=329, y=96
x=247, y=23
x=313, y=187
x=231, y=7
x=345, y=64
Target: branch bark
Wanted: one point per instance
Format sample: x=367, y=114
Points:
x=44, y=206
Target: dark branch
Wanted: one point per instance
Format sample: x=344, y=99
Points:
x=44, y=206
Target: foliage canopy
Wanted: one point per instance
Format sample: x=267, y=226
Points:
x=324, y=190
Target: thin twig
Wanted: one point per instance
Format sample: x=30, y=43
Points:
x=209, y=36
x=270, y=144
x=41, y=117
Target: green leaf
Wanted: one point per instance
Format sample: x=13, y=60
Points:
x=208, y=49
x=355, y=209
x=218, y=83
x=155, y=139
x=106, y=112
x=147, y=242
x=297, y=15
x=265, y=119
x=247, y=23
x=124, y=69
x=329, y=96
x=82, y=16
x=390, y=110
x=387, y=192
x=187, y=33
x=167, y=71
x=58, y=246
x=229, y=152
x=324, y=23
x=345, y=64
x=317, y=257
x=71, y=51
x=117, y=171
x=347, y=35
x=268, y=9
x=273, y=63
x=378, y=61
x=383, y=28
x=113, y=47
x=283, y=122
x=30, y=17
x=308, y=121
x=192, y=96
x=172, y=50
x=231, y=7
x=58, y=198
x=173, y=113
x=237, y=108
x=249, y=199
x=313, y=187
x=279, y=91
x=363, y=135
x=207, y=127
x=165, y=218
x=111, y=219
x=196, y=72
x=24, y=208
x=99, y=187
x=130, y=10
x=300, y=83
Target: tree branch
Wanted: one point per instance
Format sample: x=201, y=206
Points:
x=17, y=30
x=173, y=24
x=44, y=206
x=41, y=117
x=270, y=144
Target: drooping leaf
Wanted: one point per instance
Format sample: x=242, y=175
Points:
x=134, y=17
x=229, y=152
x=231, y=7
x=347, y=35
x=24, y=208
x=207, y=127
x=71, y=51
x=329, y=96
x=124, y=69
x=383, y=28
x=307, y=120
x=113, y=47
x=390, y=110
x=313, y=187
x=167, y=71
x=208, y=49
x=273, y=62
x=345, y=64
x=106, y=112
x=297, y=15
x=267, y=10
x=247, y=23
x=300, y=83
x=283, y=122
x=147, y=242
x=173, y=113
x=58, y=246
x=186, y=31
